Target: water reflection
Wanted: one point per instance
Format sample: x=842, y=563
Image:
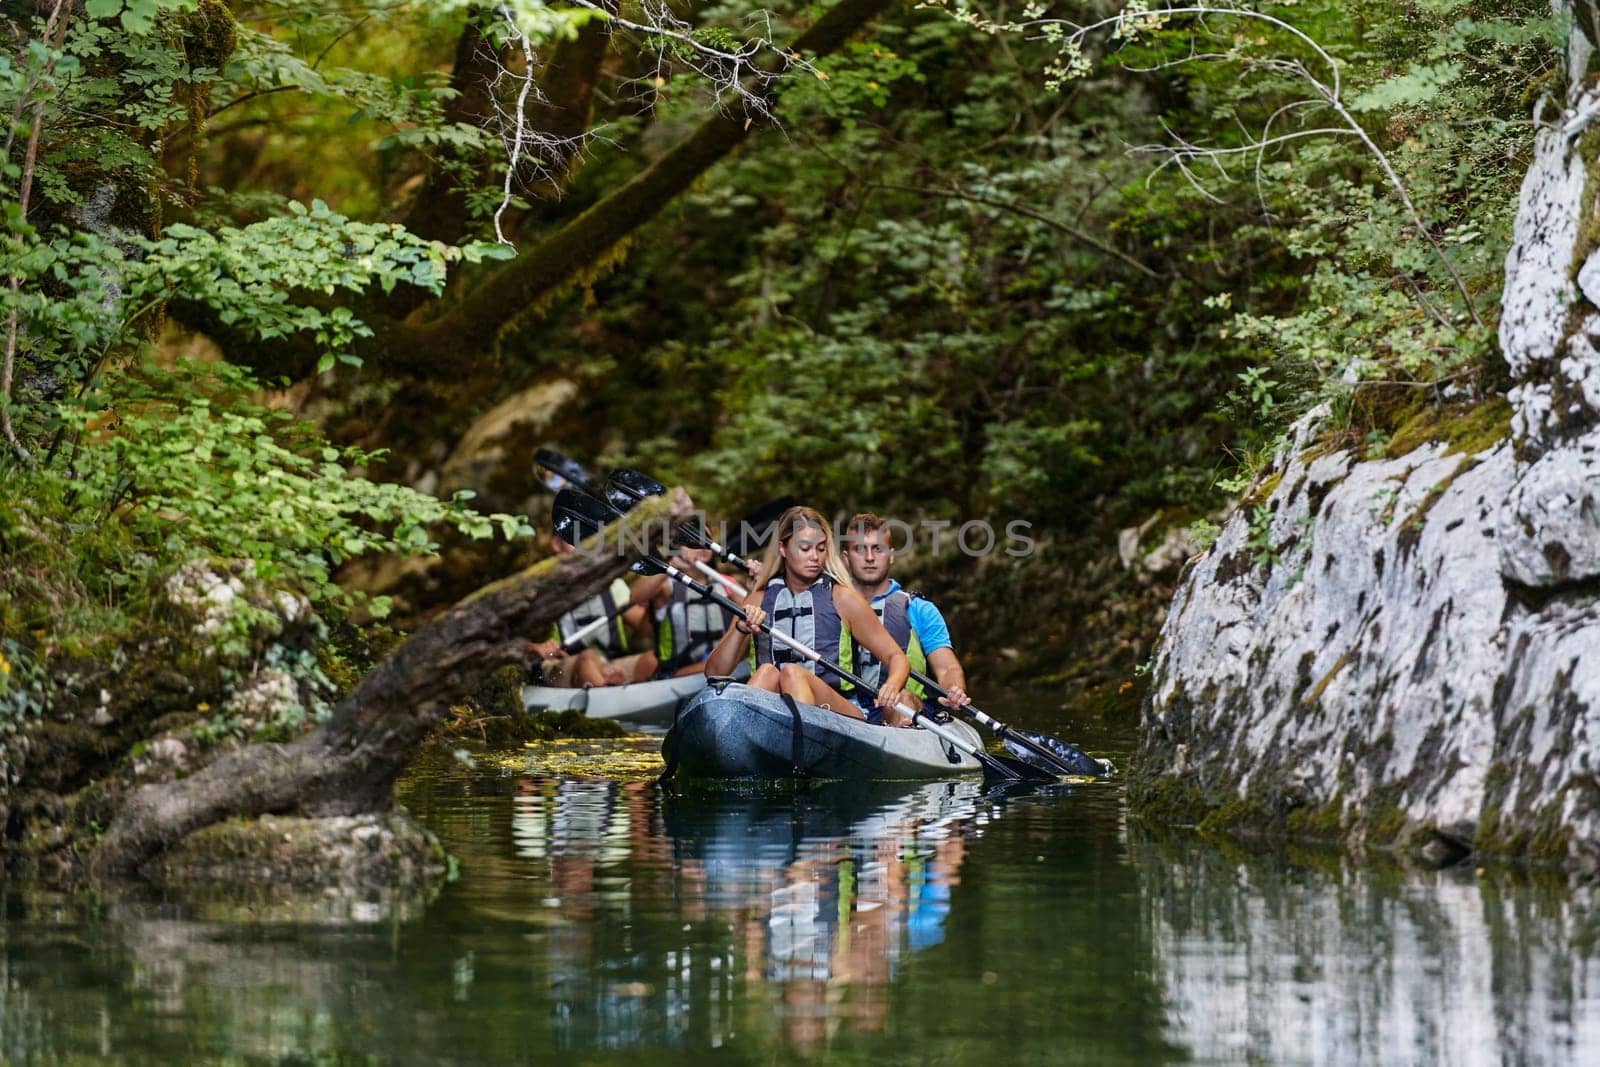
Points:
x=812, y=898
x=1262, y=958
x=603, y=922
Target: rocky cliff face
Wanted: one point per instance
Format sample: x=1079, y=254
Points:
x=1407, y=651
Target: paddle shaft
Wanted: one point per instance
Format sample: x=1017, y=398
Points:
x=1000, y=729
x=712, y=572
x=585, y=631
x=689, y=531
x=950, y=737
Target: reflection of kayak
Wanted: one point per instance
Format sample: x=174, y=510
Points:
x=640, y=704
x=734, y=731
x=747, y=829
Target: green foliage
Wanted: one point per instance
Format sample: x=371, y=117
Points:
x=194, y=470
x=853, y=83
x=1205, y=533
x=1372, y=288
x=1258, y=542
x=943, y=289
x=135, y=16
x=132, y=466
x=25, y=685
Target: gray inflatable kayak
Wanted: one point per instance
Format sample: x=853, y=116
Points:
x=732, y=731
x=640, y=705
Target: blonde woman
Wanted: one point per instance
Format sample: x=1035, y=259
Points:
x=804, y=591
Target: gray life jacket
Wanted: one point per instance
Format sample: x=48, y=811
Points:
x=810, y=618
x=610, y=641
x=690, y=629
x=894, y=611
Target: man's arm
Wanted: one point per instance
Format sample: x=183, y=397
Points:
x=934, y=636
x=951, y=677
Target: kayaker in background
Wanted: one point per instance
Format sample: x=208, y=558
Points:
x=912, y=619
x=687, y=626
x=607, y=658
x=804, y=589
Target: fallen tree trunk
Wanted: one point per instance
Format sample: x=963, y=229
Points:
x=349, y=765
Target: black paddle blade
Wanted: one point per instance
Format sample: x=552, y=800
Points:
x=755, y=529
x=576, y=515
x=635, y=484
x=1065, y=757
x=690, y=533
x=620, y=498
x=1005, y=769
x=565, y=469
x=587, y=507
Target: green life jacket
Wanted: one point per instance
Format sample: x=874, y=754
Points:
x=809, y=617
x=894, y=611
x=690, y=629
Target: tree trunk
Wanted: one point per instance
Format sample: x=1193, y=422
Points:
x=349, y=765
x=435, y=347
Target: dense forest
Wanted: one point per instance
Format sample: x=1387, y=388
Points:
x=293, y=292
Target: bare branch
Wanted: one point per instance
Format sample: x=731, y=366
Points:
x=744, y=73
x=518, y=125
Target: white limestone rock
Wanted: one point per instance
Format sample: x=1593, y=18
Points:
x=1409, y=643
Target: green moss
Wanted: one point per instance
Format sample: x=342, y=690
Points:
x=1385, y=825
x=1550, y=843
x=1166, y=801
x=1263, y=490
x=1544, y=837
x=209, y=34
x=1246, y=815
x=1376, y=408
x=350, y=652
x=1322, y=684
x=1465, y=429
x=1322, y=821
x=1589, y=227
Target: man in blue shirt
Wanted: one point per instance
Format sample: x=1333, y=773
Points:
x=910, y=618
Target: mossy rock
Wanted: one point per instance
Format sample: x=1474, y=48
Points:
x=377, y=851
x=1465, y=429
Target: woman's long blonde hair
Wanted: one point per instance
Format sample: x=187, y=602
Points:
x=794, y=519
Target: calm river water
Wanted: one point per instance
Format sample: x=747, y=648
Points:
x=594, y=920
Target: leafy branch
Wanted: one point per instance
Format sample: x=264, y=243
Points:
x=1321, y=74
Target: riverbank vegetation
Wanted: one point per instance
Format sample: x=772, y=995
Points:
x=269, y=269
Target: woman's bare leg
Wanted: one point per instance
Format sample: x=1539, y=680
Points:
x=645, y=669
x=807, y=687
x=590, y=669
x=898, y=716
x=766, y=677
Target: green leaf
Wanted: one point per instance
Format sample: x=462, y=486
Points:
x=1417, y=86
